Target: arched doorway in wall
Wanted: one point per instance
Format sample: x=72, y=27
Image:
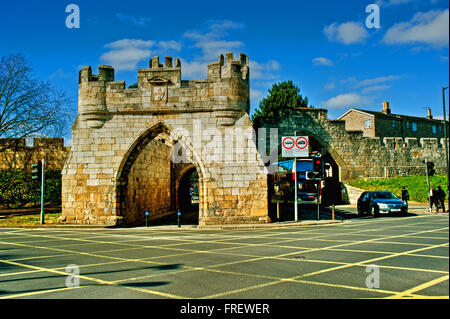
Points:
x=145, y=179
x=187, y=195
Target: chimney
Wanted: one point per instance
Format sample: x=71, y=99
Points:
x=429, y=116
x=386, y=109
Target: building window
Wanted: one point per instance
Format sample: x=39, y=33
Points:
x=407, y=124
x=368, y=124
x=393, y=123
x=440, y=128
x=434, y=129
x=414, y=127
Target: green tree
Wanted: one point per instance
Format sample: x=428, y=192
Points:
x=282, y=95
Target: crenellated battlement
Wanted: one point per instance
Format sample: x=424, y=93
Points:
x=105, y=74
x=413, y=142
x=159, y=89
x=228, y=68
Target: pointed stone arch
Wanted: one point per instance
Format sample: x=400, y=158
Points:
x=136, y=147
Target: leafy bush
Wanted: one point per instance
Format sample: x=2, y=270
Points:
x=17, y=189
x=416, y=185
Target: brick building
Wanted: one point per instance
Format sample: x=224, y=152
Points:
x=385, y=124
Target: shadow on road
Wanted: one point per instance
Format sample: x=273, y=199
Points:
x=189, y=217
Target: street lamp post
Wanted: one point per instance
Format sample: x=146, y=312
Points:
x=446, y=147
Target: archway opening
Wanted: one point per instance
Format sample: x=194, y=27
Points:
x=282, y=184
x=188, y=197
x=150, y=185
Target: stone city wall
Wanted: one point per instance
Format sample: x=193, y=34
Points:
x=22, y=155
x=358, y=156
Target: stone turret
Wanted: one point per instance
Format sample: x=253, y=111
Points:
x=92, y=95
x=229, y=68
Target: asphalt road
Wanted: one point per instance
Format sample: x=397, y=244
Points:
x=387, y=257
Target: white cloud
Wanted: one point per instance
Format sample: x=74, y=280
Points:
x=375, y=88
x=424, y=28
x=125, y=54
x=266, y=70
x=169, y=45
x=125, y=59
x=346, y=33
x=210, y=40
x=133, y=43
x=322, y=61
x=377, y=80
x=136, y=21
x=346, y=100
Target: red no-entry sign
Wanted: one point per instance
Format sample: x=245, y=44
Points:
x=295, y=146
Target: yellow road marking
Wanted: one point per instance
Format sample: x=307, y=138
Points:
x=336, y=268
x=99, y=281
x=420, y=287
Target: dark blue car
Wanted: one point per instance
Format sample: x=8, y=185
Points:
x=381, y=202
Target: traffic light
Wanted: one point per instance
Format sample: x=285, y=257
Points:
x=36, y=171
x=430, y=168
x=318, y=167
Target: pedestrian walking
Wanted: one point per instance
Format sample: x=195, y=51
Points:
x=440, y=197
x=433, y=199
x=405, y=195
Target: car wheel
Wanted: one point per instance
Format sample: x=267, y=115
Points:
x=360, y=212
x=375, y=211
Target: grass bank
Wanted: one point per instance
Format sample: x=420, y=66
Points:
x=416, y=185
x=28, y=220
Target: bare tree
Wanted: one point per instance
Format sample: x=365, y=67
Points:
x=28, y=107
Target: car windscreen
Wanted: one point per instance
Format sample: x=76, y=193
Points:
x=383, y=195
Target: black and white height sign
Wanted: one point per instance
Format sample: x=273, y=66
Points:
x=295, y=146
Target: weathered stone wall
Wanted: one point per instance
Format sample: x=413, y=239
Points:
x=149, y=183
x=205, y=117
x=22, y=156
x=358, y=156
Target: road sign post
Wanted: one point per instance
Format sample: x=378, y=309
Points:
x=42, y=190
x=295, y=146
x=318, y=200
x=295, y=189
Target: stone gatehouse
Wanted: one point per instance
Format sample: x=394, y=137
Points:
x=132, y=146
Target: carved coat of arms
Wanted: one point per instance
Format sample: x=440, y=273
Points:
x=159, y=92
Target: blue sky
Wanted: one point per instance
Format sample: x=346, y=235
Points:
x=324, y=47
